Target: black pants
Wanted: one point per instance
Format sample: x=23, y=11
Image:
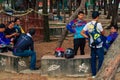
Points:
x=80, y=42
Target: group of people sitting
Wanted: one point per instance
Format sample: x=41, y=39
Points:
x=9, y=34
x=13, y=38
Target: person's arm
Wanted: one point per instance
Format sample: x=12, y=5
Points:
x=83, y=34
x=70, y=27
x=12, y=35
x=103, y=32
x=101, y=29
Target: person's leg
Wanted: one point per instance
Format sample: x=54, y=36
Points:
x=28, y=53
x=82, y=46
x=100, y=53
x=76, y=46
x=33, y=59
x=93, y=61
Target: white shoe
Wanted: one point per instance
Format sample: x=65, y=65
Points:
x=93, y=77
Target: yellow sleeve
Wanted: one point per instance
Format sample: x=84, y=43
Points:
x=22, y=31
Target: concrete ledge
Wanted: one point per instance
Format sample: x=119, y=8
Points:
x=57, y=66
x=11, y=63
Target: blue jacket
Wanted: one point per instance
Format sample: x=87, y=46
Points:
x=76, y=26
x=4, y=40
x=24, y=42
x=110, y=39
x=17, y=28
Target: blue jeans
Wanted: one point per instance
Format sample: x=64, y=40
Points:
x=94, y=53
x=28, y=53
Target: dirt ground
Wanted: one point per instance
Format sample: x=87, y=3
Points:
x=47, y=48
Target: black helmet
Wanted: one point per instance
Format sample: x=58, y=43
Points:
x=69, y=53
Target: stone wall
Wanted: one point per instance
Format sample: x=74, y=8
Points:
x=11, y=63
x=57, y=66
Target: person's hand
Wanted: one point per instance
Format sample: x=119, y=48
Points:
x=15, y=34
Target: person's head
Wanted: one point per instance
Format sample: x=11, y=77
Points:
x=17, y=21
x=80, y=14
x=2, y=27
x=11, y=24
x=113, y=29
x=95, y=15
x=31, y=31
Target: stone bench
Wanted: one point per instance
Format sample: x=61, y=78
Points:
x=11, y=63
x=57, y=66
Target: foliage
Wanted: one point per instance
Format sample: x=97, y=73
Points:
x=1, y=1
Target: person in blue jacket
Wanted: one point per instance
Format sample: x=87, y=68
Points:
x=3, y=39
x=25, y=47
x=4, y=42
x=75, y=27
x=111, y=37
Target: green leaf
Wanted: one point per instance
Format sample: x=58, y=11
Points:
x=1, y=1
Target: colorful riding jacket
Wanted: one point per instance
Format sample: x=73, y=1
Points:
x=76, y=26
x=110, y=39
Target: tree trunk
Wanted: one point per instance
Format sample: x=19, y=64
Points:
x=63, y=11
x=109, y=9
x=51, y=6
x=70, y=7
x=111, y=62
x=45, y=22
x=105, y=6
x=13, y=4
x=73, y=16
x=1, y=6
x=86, y=12
x=33, y=3
x=78, y=3
x=99, y=6
x=94, y=4
x=58, y=8
x=115, y=13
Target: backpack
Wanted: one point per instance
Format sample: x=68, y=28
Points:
x=96, y=36
x=69, y=53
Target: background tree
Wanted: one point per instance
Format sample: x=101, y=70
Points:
x=109, y=9
x=1, y=1
x=105, y=6
x=70, y=7
x=63, y=11
x=58, y=8
x=45, y=22
x=94, y=4
x=115, y=12
x=51, y=6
